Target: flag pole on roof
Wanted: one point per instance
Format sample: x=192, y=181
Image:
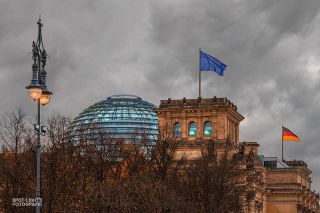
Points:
x=209, y=63
x=199, y=72
x=282, y=142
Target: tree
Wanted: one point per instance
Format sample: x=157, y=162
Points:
x=57, y=156
x=15, y=170
x=112, y=175
x=217, y=184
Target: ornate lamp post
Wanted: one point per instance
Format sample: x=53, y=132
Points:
x=37, y=91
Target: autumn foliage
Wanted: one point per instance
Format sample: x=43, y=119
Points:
x=116, y=177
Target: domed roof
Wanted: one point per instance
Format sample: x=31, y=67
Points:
x=119, y=116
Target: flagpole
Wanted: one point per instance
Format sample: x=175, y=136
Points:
x=282, y=141
x=199, y=73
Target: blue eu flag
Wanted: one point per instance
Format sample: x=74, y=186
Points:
x=210, y=63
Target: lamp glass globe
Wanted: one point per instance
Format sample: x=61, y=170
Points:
x=34, y=93
x=44, y=99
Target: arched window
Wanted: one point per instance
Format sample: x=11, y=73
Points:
x=207, y=128
x=177, y=129
x=192, y=129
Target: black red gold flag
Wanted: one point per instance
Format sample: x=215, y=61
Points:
x=288, y=135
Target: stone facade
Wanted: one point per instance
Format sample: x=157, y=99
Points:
x=285, y=187
x=220, y=112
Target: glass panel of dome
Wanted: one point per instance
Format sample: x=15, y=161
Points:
x=105, y=119
x=192, y=129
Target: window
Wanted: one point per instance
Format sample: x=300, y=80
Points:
x=207, y=128
x=177, y=129
x=192, y=129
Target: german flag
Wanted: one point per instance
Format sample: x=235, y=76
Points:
x=287, y=135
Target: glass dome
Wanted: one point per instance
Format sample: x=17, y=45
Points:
x=126, y=117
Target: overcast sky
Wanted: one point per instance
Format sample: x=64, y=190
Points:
x=150, y=49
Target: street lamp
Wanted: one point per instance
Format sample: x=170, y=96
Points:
x=37, y=91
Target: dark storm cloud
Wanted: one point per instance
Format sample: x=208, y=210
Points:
x=150, y=48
